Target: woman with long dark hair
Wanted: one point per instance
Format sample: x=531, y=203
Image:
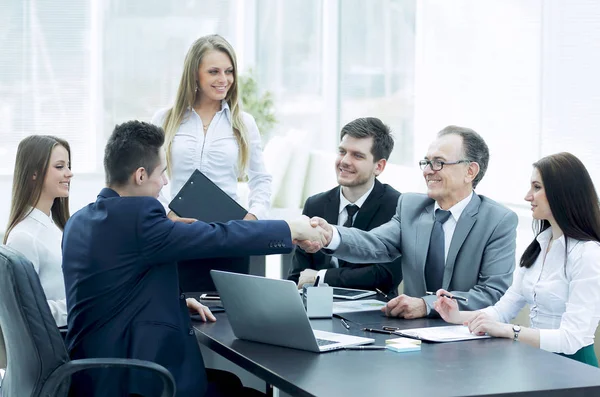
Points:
x=559, y=273
x=39, y=211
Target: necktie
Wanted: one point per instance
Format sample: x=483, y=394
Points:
x=351, y=209
x=436, y=258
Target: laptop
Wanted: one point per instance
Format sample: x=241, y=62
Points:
x=270, y=311
x=201, y=199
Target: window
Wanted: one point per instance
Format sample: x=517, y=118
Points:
x=47, y=77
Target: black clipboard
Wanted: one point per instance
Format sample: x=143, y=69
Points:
x=201, y=199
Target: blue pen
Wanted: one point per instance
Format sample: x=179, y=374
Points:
x=316, y=284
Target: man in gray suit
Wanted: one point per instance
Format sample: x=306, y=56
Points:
x=451, y=238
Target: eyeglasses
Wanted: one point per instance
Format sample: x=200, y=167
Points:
x=437, y=165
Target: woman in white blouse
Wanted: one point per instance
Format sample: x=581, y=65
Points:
x=205, y=129
x=39, y=211
x=559, y=273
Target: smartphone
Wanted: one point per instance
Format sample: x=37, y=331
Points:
x=210, y=297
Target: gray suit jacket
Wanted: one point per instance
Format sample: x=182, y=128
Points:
x=480, y=261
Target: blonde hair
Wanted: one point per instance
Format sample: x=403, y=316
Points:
x=186, y=96
x=33, y=159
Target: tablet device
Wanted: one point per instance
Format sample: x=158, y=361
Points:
x=351, y=293
x=201, y=199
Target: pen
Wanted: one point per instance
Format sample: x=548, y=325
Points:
x=377, y=331
x=316, y=284
x=386, y=328
x=368, y=347
x=345, y=324
x=384, y=295
x=458, y=298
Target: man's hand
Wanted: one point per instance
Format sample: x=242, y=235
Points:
x=172, y=216
x=307, y=276
x=406, y=307
x=327, y=233
x=204, y=311
x=250, y=217
x=305, y=235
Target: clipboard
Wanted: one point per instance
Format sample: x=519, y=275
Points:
x=201, y=199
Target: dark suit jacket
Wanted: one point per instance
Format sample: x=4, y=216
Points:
x=379, y=208
x=123, y=298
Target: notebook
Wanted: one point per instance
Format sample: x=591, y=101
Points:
x=450, y=333
x=201, y=199
x=270, y=311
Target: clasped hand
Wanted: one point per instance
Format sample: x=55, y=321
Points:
x=311, y=234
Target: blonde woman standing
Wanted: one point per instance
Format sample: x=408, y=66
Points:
x=206, y=130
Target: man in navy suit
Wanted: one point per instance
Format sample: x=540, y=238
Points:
x=120, y=266
x=360, y=201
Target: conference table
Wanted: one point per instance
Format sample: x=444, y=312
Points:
x=484, y=367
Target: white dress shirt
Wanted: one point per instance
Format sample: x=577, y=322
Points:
x=342, y=218
x=39, y=240
x=216, y=156
x=564, y=301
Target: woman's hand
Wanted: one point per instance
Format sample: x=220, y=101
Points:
x=447, y=308
x=481, y=324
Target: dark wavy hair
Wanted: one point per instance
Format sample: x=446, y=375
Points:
x=572, y=199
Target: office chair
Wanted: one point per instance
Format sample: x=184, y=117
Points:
x=37, y=361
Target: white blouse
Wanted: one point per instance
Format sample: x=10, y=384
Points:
x=565, y=308
x=40, y=240
x=216, y=156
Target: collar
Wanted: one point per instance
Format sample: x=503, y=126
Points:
x=41, y=217
x=108, y=193
x=344, y=201
x=457, y=209
x=224, y=109
x=544, y=238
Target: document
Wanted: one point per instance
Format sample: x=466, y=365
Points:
x=450, y=333
x=357, y=306
x=201, y=199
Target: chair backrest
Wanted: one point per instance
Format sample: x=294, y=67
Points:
x=34, y=346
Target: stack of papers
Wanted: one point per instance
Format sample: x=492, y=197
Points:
x=450, y=333
x=357, y=306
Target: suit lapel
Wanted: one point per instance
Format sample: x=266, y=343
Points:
x=463, y=227
x=424, y=228
x=332, y=206
x=369, y=207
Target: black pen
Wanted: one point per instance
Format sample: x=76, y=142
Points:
x=367, y=347
x=345, y=324
x=316, y=284
x=458, y=298
x=384, y=295
x=377, y=331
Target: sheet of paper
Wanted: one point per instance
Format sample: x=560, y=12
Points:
x=450, y=333
x=357, y=306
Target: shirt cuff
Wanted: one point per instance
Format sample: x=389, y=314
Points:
x=550, y=341
x=335, y=240
x=321, y=276
x=259, y=211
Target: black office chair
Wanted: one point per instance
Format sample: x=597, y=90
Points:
x=37, y=360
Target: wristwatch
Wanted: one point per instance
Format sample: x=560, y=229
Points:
x=516, y=330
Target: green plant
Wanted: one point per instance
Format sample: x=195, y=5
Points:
x=258, y=104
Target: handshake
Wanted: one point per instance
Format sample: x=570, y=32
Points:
x=310, y=234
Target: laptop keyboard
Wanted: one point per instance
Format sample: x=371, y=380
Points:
x=325, y=342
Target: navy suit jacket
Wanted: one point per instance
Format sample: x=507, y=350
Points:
x=379, y=208
x=120, y=266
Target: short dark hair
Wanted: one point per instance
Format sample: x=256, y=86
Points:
x=572, y=199
x=132, y=145
x=383, y=142
x=474, y=148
